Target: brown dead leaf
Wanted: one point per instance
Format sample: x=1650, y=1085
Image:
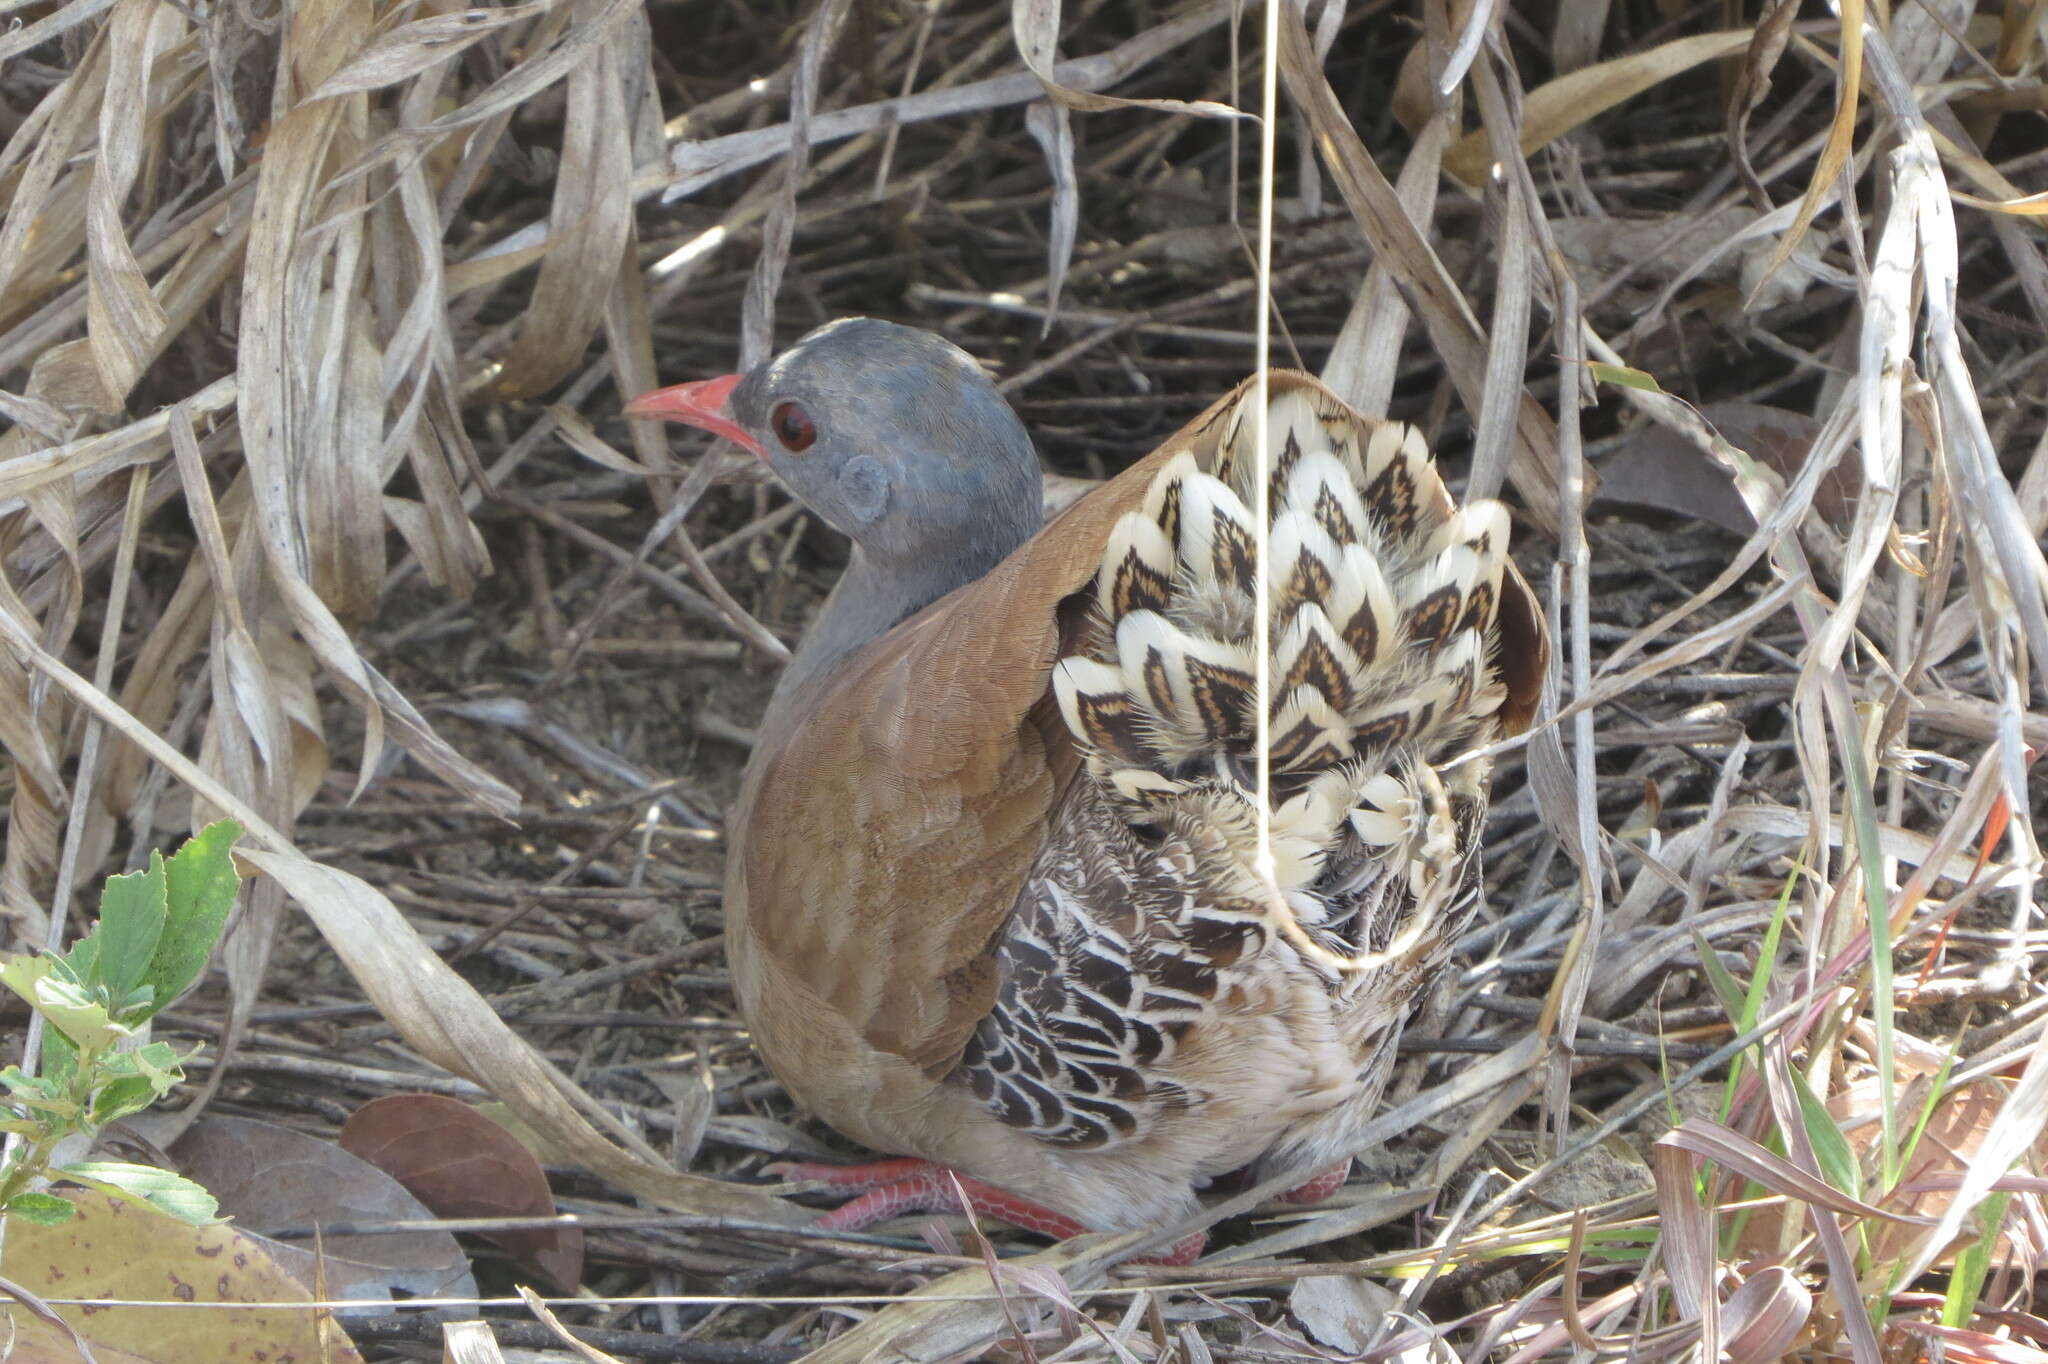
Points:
x=961, y=1315
x=1659, y=468
x=125, y=322
x=269, y=1178
x=1773, y=33
x=1841, y=138
x=469, y=1342
x=590, y=216
x=1764, y=1315
x=461, y=1164
x=583, y=1349
x=1554, y=109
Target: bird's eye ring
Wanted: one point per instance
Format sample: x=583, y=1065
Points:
x=792, y=426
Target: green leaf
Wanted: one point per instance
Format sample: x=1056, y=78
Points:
x=67, y=1006
x=162, y=1190
x=82, y=962
x=46, y=1095
x=135, y=1080
x=66, y=968
x=26, y=1086
x=1862, y=801
x=20, y=973
x=1960, y=1303
x=60, y=1058
x=122, y=1097
x=158, y=1060
x=1624, y=376
x=1936, y=1092
x=132, y=913
x=1726, y=988
x=201, y=882
x=1767, y=955
x=45, y=1210
x=1759, y=982
x=1830, y=1147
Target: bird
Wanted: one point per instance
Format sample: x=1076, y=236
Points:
x=996, y=900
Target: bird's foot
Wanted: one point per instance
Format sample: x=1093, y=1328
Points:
x=890, y=1188
x=1321, y=1186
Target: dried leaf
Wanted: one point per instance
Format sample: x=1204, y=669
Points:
x=1704, y=1137
x=580, y=436
x=1443, y=308
x=117, y=1249
x=1553, y=109
x=1835, y=151
x=1947, y=1149
x=1765, y=1315
x=1051, y=126
x=469, y=1342
x=124, y=322
x=271, y=1179
x=461, y=1164
x=581, y=1348
x=2027, y=206
x=697, y=164
x=960, y=1315
x=587, y=220
x=1766, y=46
x=413, y=47
x=1037, y=26
x=757, y=310
x=1657, y=467
x=1343, y=1311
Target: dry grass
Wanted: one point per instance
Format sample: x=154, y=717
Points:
x=272, y=290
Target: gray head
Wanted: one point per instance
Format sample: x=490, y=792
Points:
x=891, y=434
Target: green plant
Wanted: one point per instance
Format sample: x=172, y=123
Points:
x=156, y=931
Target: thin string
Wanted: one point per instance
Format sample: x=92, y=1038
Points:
x=1261, y=484
x=1265, y=866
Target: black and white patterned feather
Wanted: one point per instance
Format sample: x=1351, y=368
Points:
x=1144, y=928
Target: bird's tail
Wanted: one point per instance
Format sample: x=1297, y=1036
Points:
x=1383, y=637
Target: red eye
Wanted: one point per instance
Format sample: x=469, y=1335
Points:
x=792, y=426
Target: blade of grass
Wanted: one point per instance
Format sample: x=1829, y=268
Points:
x=1759, y=981
x=1959, y=1303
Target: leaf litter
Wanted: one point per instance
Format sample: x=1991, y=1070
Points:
x=272, y=289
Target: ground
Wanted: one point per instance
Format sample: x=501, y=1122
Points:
x=555, y=650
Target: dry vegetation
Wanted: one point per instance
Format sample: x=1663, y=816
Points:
x=279, y=281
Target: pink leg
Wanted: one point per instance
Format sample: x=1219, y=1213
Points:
x=1320, y=1186
x=870, y=1174
x=895, y=1187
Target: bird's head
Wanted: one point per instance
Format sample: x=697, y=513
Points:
x=891, y=434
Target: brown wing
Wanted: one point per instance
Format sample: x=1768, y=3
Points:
x=881, y=842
